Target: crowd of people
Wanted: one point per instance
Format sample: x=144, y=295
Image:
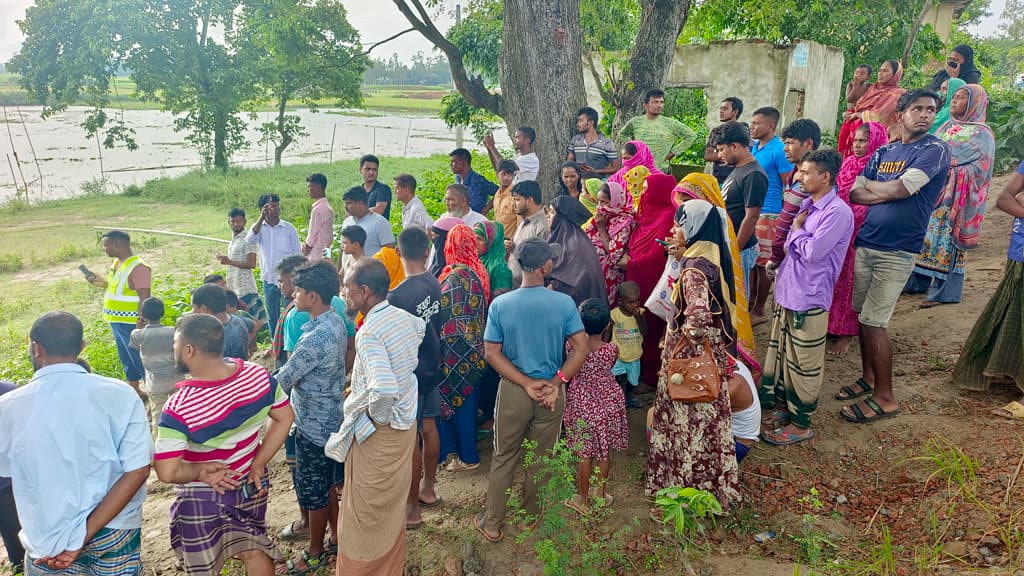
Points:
x=512, y=316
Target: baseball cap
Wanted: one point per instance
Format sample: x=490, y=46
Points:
x=533, y=253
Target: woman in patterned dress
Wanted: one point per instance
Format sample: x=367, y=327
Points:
x=692, y=444
x=609, y=231
x=595, y=408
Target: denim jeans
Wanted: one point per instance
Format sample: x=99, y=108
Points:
x=130, y=358
x=748, y=258
x=272, y=300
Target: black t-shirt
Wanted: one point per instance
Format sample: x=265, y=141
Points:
x=379, y=193
x=745, y=188
x=421, y=295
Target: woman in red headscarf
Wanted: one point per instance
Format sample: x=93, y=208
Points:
x=646, y=261
x=878, y=104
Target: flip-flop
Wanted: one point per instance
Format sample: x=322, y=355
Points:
x=1012, y=411
x=927, y=304
x=571, y=504
x=434, y=504
x=776, y=419
x=288, y=534
x=850, y=393
x=858, y=416
x=779, y=437
x=411, y=526
x=478, y=523
x=313, y=563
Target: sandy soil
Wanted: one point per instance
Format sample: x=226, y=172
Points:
x=864, y=473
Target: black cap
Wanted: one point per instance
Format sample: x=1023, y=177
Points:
x=533, y=253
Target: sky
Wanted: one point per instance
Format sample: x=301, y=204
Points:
x=374, y=20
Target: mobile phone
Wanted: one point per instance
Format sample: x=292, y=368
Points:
x=88, y=273
x=249, y=488
x=663, y=243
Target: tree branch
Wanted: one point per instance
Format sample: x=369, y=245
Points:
x=905, y=59
x=374, y=45
x=472, y=89
x=606, y=94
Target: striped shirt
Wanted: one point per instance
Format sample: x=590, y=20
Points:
x=792, y=197
x=219, y=420
x=384, y=387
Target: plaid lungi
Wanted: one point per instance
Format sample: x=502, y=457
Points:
x=109, y=553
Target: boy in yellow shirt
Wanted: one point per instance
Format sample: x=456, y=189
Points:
x=628, y=329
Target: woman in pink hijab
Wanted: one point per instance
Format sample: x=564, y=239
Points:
x=634, y=153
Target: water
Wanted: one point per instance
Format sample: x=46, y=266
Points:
x=67, y=159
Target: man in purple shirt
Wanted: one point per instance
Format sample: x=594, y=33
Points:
x=815, y=250
x=9, y=526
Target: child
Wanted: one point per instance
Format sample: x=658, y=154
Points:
x=504, y=206
x=628, y=329
x=858, y=86
x=353, y=240
x=155, y=343
x=252, y=323
x=595, y=409
x=746, y=410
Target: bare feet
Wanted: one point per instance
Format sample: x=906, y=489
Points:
x=841, y=346
x=413, y=516
x=930, y=304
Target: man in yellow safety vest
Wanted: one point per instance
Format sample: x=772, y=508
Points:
x=127, y=284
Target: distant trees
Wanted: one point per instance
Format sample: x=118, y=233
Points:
x=421, y=71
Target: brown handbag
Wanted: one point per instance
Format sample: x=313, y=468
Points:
x=694, y=379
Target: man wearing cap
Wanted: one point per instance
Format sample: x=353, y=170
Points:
x=529, y=358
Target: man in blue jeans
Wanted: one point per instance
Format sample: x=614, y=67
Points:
x=276, y=239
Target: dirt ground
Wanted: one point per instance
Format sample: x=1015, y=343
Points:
x=864, y=474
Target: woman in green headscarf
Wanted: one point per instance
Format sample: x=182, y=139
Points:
x=949, y=87
x=490, y=244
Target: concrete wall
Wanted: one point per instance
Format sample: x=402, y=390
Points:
x=802, y=80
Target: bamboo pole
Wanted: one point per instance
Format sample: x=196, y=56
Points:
x=17, y=161
x=35, y=158
x=164, y=232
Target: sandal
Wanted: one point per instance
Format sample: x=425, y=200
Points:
x=776, y=419
x=1012, y=411
x=634, y=402
x=437, y=502
x=457, y=465
x=312, y=564
x=779, y=437
x=851, y=393
x=571, y=504
x=478, y=523
x=856, y=415
x=931, y=304
x=289, y=534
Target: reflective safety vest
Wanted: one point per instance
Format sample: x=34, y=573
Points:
x=121, y=303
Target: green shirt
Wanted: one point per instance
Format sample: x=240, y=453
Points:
x=662, y=135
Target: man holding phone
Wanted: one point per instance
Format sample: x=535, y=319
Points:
x=596, y=154
x=208, y=443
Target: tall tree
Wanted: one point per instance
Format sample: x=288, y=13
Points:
x=306, y=50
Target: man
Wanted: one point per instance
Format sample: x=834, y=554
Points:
x=456, y=199
x=219, y=463
x=533, y=222
x=240, y=262
x=378, y=196
x=665, y=136
x=480, y=189
x=529, y=358
x=798, y=139
x=504, y=204
x=275, y=239
x=526, y=159
x=743, y=191
x=155, y=343
x=377, y=227
x=9, y=525
x=728, y=111
x=127, y=284
x=321, y=219
x=314, y=377
x=414, y=213
x=79, y=487
x=420, y=294
x=768, y=151
x=211, y=299
x=901, y=184
x=597, y=154
x=816, y=248
x=353, y=248
x=377, y=437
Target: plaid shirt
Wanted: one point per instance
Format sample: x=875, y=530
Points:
x=278, y=346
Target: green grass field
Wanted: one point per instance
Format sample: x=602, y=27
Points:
x=421, y=99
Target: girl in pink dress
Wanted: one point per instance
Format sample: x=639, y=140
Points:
x=595, y=409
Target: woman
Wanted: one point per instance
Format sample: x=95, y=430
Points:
x=578, y=272
x=609, y=231
x=959, y=64
x=949, y=87
x=636, y=179
x=692, y=444
x=490, y=245
x=992, y=352
x=700, y=186
x=645, y=261
x=955, y=225
x=878, y=104
x=439, y=235
x=464, y=294
x=842, y=319
x=389, y=257
x=634, y=153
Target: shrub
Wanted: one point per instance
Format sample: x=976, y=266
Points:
x=1006, y=118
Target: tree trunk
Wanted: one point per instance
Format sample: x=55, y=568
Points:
x=541, y=68
x=905, y=59
x=286, y=139
x=661, y=22
x=220, y=130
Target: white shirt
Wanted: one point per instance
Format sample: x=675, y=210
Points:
x=470, y=218
x=746, y=423
x=529, y=166
x=275, y=244
x=414, y=213
x=378, y=231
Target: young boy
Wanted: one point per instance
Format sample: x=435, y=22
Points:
x=252, y=323
x=504, y=205
x=353, y=243
x=628, y=329
x=155, y=343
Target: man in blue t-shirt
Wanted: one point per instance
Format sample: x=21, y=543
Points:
x=901, y=184
x=524, y=342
